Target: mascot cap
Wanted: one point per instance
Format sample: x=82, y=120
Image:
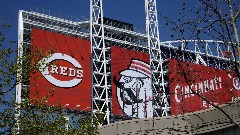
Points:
x=137, y=69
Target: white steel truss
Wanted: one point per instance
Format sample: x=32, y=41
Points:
x=19, y=84
x=206, y=52
x=160, y=96
x=100, y=74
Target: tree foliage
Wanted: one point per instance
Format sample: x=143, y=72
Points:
x=7, y=79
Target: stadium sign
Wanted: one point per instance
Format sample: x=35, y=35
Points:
x=195, y=87
x=76, y=72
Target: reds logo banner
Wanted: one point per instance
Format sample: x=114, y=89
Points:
x=64, y=74
x=131, y=83
x=193, y=86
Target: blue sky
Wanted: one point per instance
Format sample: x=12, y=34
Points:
x=131, y=11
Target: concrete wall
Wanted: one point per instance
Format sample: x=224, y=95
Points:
x=191, y=123
x=234, y=130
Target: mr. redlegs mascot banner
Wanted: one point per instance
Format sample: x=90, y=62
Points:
x=131, y=83
x=193, y=86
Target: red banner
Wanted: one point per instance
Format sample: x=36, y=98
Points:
x=131, y=83
x=64, y=74
x=195, y=87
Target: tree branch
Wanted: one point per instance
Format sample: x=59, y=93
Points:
x=238, y=12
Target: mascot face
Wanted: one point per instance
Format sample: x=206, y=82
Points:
x=135, y=96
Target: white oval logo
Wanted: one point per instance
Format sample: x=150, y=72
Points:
x=61, y=70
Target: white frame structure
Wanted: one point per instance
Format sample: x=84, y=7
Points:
x=19, y=84
x=156, y=61
x=100, y=83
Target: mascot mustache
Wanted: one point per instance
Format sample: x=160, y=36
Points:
x=133, y=98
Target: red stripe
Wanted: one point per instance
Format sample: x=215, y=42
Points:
x=142, y=69
x=142, y=65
